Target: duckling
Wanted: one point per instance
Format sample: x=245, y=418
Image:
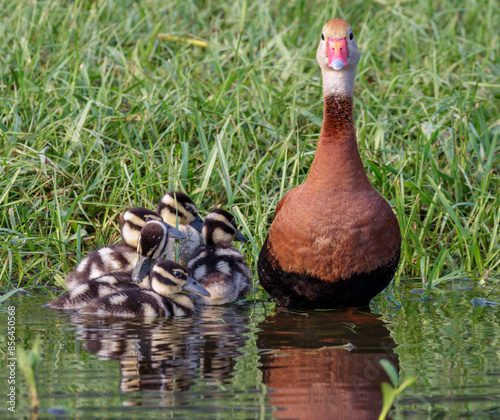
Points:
x=132, y=222
x=167, y=280
x=123, y=257
x=151, y=245
x=101, y=286
x=153, y=242
x=218, y=266
x=178, y=210
x=118, y=257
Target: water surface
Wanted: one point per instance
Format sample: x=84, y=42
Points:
x=251, y=361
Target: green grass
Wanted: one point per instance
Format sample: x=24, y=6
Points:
x=100, y=111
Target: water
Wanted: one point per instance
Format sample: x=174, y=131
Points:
x=251, y=361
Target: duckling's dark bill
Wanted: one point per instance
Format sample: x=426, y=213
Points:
x=197, y=223
x=240, y=237
x=175, y=233
x=141, y=269
x=194, y=287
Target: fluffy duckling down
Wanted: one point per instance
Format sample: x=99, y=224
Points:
x=151, y=245
x=165, y=299
x=133, y=221
x=218, y=265
x=177, y=209
x=115, y=258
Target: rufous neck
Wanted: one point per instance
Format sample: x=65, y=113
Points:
x=338, y=124
x=337, y=161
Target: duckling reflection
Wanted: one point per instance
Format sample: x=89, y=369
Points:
x=169, y=355
x=223, y=335
x=153, y=354
x=325, y=365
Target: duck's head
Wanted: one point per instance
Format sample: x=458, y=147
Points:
x=152, y=243
x=178, y=208
x=220, y=227
x=168, y=278
x=132, y=222
x=337, y=52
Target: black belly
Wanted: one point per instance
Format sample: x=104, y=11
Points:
x=302, y=290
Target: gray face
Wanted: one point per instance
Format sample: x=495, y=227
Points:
x=337, y=30
x=340, y=80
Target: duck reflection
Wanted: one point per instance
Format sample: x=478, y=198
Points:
x=171, y=354
x=325, y=365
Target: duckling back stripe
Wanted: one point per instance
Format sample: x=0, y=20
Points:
x=210, y=257
x=169, y=307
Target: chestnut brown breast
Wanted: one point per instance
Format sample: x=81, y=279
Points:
x=335, y=240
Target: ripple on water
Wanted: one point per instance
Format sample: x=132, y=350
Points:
x=248, y=361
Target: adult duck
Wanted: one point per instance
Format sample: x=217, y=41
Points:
x=334, y=241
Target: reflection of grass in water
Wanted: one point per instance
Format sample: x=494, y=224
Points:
x=7, y=295
x=28, y=362
x=391, y=392
x=448, y=343
x=120, y=104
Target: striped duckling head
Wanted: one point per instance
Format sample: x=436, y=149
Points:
x=220, y=227
x=152, y=244
x=132, y=222
x=168, y=278
x=177, y=208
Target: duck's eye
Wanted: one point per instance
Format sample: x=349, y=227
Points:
x=178, y=273
x=322, y=37
x=351, y=36
x=189, y=209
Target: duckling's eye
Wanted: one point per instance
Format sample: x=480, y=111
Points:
x=178, y=273
x=189, y=209
x=322, y=37
x=351, y=36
